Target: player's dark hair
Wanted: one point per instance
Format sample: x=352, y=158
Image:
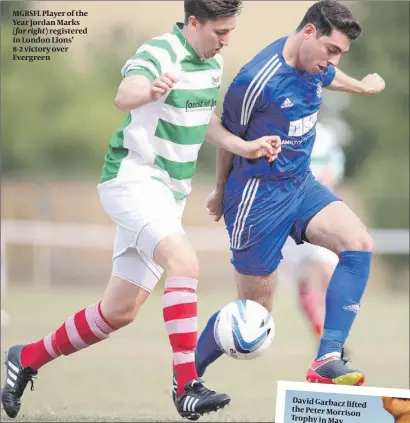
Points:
x=208, y=10
x=327, y=15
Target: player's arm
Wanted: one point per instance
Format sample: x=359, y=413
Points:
x=224, y=158
x=369, y=85
x=228, y=133
x=224, y=163
x=145, y=79
x=137, y=90
x=218, y=135
x=214, y=202
x=229, y=144
x=224, y=140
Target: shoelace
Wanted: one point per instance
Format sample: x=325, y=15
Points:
x=198, y=386
x=25, y=376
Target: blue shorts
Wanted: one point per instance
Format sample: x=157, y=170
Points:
x=260, y=215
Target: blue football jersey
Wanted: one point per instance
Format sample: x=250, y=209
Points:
x=269, y=97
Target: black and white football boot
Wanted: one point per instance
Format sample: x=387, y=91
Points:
x=192, y=417
x=17, y=378
x=198, y=400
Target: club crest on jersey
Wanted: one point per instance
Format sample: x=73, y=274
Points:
x=319, y=89
x=215, y=80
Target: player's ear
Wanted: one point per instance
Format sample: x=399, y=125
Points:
x=309, y=31
x=193, y=22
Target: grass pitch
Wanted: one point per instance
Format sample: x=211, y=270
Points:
x=128, y=377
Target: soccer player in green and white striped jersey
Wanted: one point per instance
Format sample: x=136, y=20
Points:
x=166, y=135
x=169, y=92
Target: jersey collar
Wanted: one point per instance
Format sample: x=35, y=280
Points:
x=178, y=27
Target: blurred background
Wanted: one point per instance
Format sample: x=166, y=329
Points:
x=57, y=118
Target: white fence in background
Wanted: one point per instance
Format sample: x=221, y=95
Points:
x=76, y=235
x=79, y=235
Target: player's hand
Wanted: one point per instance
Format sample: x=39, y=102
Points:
x=162, y=85
x=214, y=204
x=373, y=83
x=267, y=146
x=399, y=408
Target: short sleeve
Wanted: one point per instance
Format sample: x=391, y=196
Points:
x=328, y=75
x=152, y=59
x=241, y=100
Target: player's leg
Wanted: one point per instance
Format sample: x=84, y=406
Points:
x=313, y=279
x=313, y=288
x=163, y=245
x=180, y=310
x=336, y=227
x=118, y=308
x=130, y=284
x=301, y=266
x=327, y=222
x=310, y=297
x=258, y=288
x=93, y=324
x=256, y=242
x=177, y=256
x=153, y=219
x=249, y=287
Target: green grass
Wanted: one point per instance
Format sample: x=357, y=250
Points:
x=128, y=377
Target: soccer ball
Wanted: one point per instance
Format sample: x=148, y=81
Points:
x=244, y=329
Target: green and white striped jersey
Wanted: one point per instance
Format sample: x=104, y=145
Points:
x=165, y=136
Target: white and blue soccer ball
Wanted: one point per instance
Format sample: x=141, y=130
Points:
x=244, y=329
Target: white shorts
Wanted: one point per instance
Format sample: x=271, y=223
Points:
x=145, y=212
x=296, y=257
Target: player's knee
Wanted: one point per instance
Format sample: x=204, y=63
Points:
x=119, y=315
x=182, y=263
x=184, y=268
x=177, y=257
x=366, y=242
x=361, y=241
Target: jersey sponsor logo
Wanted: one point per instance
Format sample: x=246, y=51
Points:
x=300, y=127
x=292, y=142
x=200, y=105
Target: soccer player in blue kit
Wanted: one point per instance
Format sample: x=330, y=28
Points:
x=279, y=92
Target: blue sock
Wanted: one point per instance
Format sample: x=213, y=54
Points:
x=343, y=297
x=207, y=350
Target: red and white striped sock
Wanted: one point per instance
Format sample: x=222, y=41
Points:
x=180, y=313
x=85, y=328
